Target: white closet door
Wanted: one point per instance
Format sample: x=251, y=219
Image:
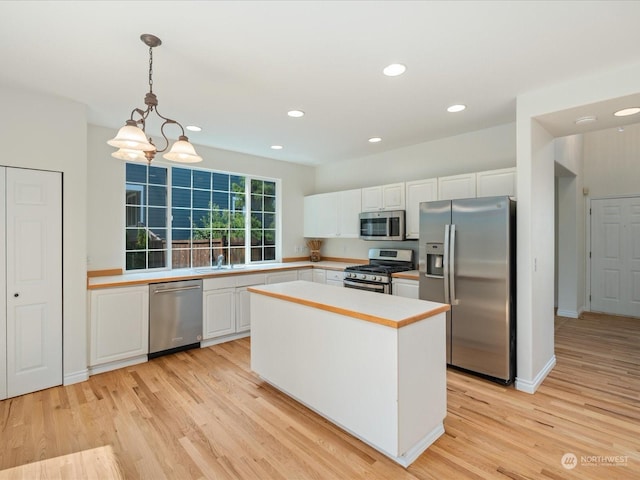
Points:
x=615, y=256
x=34, y=280
x=3, y=289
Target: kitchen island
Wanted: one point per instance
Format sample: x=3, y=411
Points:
x=371, y=363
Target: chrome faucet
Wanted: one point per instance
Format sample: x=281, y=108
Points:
x=219, y=261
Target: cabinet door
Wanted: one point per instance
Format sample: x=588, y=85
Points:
x=33, y=279
x=393, y=196
x=334, y=277
x=306, y=275
x=219, y=312
x=417, y=192
x=321, y=215
x=457, y=186
x=319, y=275
x=349, y=207
x=496, y=183
x=371, y=198
x=405, y=288
x=243, y=309
x=119, y=324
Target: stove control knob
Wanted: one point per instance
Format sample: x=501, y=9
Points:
x=363, y=277
x=378, y=279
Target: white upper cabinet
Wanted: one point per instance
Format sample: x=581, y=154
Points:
x=349, y=207
x=417, y=192
x=457, y=186
x=335, y=214
x=384, y=197
x=496, y=182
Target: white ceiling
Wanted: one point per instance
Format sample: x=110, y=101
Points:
x=235, y=67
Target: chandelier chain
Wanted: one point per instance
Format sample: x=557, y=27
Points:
x=151, y=69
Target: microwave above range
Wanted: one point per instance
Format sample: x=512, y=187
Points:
x=382, y=225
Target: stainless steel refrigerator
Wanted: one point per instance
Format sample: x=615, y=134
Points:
x=467, y=259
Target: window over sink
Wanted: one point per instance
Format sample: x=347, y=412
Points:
x=180, y=217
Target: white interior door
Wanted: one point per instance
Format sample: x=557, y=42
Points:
x=615, y=256
x=34, y=280
x=3, y=289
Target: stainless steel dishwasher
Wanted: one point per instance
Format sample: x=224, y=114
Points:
x=175, y=316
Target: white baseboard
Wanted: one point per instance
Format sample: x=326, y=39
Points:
x=107, y=367
x=75, y=377
x=418, y=449
x=530, y=386
x=567, y=313
x=226, y=338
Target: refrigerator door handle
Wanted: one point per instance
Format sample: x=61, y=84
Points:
x=445, y=264
x=452, y=265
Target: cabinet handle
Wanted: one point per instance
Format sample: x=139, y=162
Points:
x=16, y=295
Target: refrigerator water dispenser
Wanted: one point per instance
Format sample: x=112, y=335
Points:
x=435, y=256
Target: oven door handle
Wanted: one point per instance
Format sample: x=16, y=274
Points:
x=364, y=286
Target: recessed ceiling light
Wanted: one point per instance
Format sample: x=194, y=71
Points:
x=625, y=112
x=456, y=108
x=193, y=128
x=277, y=147
x=375, y=139
x=295, y=113
x=587, y=119
x=394, y=70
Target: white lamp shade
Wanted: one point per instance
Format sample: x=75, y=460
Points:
x=131, y=138
x=130, y=155
x=182, y=151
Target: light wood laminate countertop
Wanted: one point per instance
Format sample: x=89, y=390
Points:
x=145, y=278
x=410, y=275
x=388, y=310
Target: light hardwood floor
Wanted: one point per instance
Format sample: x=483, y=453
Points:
x=203, y=414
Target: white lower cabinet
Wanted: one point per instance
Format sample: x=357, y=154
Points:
x=319, y=275
x=243, y=309
x=119, y=324
x=403, y=287
x=219, y=312
x=281, y=277
x=226, y=305
x=334, y=277
x=306, y=275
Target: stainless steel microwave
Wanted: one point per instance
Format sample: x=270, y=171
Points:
x=382, y=225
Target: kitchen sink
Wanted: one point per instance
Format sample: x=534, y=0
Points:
x=222, y=268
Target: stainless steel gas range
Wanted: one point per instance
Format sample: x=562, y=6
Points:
x=376, y=275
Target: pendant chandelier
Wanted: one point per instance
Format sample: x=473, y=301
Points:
x=132, y=140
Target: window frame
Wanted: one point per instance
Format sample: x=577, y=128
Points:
x=247, y=248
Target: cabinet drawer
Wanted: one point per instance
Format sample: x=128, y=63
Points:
x=247, y=280
x=216, y=283
x=336, y=275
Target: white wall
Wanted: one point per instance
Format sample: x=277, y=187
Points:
x=487, y=149
x=50, y=133
x=612, y=161
x=570, y=231
x=106, y=186
x=535, y=298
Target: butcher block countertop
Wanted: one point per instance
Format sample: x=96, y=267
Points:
x=388, y=310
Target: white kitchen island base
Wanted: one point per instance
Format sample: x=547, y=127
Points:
x=373, y=364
